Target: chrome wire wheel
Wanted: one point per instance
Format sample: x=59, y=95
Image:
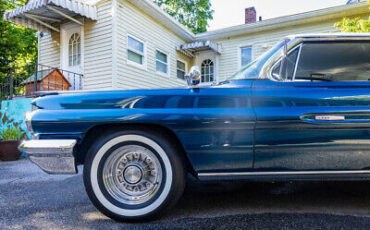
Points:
x=132, y=174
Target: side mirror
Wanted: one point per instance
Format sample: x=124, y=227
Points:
x=193, y=78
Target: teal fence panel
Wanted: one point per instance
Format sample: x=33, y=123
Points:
x=15, y=110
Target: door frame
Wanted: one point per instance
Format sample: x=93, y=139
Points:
x=64, y=45
x=203, y=55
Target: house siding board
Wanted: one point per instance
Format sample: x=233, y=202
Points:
x=98, y=49
x=156, y=36
x=49, y=49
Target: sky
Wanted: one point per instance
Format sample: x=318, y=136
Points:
x=231, y=12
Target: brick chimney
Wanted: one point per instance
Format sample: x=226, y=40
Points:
x=250, y=15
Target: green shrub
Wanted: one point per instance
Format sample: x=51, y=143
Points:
x=12, y=133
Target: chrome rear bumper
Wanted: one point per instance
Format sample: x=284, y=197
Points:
x=52, y=156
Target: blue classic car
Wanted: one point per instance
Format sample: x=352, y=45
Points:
x=300, y=111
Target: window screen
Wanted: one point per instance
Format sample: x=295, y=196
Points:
x=161, y=62
x=181, y=70
x=334, y=61
x=246, y=55
x=135, y=51
x=74, y=50
x=207, y=71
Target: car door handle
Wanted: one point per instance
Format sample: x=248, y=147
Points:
x=337, y=118
x=329, y=118
x=324, y=118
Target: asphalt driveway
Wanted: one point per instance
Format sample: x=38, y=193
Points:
x=31, y=199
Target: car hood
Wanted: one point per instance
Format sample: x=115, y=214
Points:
x=131, y=99
x=146, y=98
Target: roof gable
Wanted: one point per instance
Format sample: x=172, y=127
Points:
x=43, y=74
x=338, y=11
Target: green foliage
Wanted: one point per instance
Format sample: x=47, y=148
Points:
x=13, y=131
x=193, y=14
x=354, y=25
x=18, y=45
x=12, y=134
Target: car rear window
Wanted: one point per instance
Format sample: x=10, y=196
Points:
x=334, y=61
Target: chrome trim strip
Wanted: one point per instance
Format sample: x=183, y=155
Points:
x=297, y=61
x=280, y=57
x=48, y=147
x=330, y=118
x=220, y=174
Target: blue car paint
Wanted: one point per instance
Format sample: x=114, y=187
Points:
x=241, y=125
x=207, y=121
x=288, y=137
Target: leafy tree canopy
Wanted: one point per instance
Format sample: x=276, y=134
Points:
x=354, y=25
x=193, y=14
x=18, y=45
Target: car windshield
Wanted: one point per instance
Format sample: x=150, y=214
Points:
x=253, y=69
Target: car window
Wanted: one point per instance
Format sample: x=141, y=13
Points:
x=288, y=66
x=334, y=61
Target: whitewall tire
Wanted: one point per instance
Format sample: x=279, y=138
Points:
x=133, y=175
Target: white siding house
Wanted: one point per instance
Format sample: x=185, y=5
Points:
x=134, y=23
x=126, y=44
x=98, y=48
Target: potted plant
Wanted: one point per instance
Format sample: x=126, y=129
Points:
x=10, y=139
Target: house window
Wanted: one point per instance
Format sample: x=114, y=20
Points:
x=161, y=62
x=207, y=71
x=246, y=55
x=181, y=66
x=135, y=51
x=74, y=50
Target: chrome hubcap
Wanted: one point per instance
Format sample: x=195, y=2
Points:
x=132, y=174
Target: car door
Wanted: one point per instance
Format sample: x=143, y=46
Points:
x=216, y=128
x=317, y=117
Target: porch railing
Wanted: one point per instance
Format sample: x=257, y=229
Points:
x=28, y=81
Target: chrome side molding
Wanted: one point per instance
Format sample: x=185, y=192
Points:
x=52, y=156
x=330, y=118
x=283, y=173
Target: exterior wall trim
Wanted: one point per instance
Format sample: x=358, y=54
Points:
x=114, y=44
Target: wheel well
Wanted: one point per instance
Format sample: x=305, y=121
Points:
x=102, y=130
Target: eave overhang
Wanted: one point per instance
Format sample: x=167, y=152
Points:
x=42, y=15
x=190, y=49
x=157, y=13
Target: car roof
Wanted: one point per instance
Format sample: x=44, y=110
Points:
x=330, y=35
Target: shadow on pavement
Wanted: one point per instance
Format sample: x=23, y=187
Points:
x=61, y=203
